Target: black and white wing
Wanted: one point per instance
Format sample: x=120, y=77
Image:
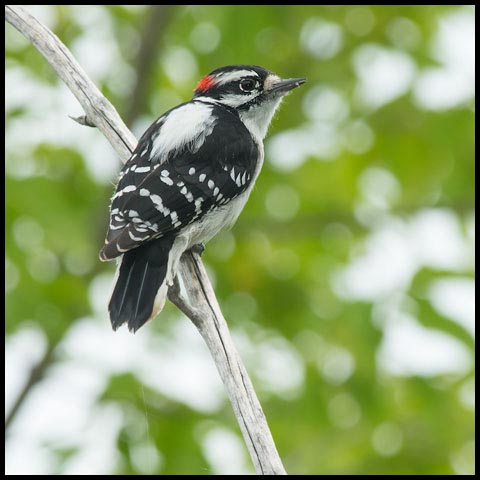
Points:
x=194, y=159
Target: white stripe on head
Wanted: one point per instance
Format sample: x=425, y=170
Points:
x=236, y=99
x=226, y=77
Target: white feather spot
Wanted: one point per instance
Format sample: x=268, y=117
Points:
x=198, y=204
x=157, y=201
x=143, y=169
x=164, y=173
x=201, y=178
x=128, y=188
x=211, y=184
x=115, y=227
x=167, y=180
x=191, y=171
x=215, y=192
x=136, y=239
x=244, y=177
x=144, y=192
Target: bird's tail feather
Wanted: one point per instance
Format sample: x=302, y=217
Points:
x=140, y=289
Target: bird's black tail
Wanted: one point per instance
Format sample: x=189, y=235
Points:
x=140, y=289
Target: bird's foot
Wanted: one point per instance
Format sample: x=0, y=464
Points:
x=198, y=248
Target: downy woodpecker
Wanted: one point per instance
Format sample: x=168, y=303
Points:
x=188, y=178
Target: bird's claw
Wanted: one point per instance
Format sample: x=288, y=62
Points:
x=198, y=248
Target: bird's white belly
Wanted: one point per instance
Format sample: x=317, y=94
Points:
x=212, y=223
x=204, y=230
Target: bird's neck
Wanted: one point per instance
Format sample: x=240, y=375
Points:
x=257, y=119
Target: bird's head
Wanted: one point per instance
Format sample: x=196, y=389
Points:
x=251, y=90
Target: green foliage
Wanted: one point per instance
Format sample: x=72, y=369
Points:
x=278, y=273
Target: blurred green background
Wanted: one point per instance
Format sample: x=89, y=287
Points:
x=348, y=281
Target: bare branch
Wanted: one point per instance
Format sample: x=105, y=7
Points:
x=98, y=109
x=208, y=318
x=193, y=293
x=83, y=120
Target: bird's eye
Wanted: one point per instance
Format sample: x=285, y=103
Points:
x=247, y=85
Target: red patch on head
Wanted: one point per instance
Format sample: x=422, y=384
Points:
x=205, y=84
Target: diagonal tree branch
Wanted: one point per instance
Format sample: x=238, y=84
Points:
x=193, y=293
x=99, y=111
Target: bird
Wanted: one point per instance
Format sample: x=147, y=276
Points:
x=188, y=178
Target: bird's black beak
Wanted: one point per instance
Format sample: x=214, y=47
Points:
x=284, y=86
